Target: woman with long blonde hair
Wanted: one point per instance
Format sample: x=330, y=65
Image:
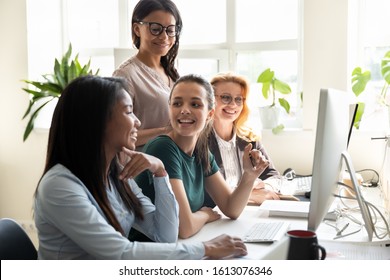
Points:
x=231, y=133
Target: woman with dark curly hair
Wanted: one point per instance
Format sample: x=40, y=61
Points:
x=151, y=73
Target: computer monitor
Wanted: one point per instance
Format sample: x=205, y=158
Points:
x=330, y=157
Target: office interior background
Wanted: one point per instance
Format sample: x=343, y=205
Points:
x=311, y=44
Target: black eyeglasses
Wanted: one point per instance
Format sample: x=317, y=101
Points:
x=227, y=99
x=156, y=29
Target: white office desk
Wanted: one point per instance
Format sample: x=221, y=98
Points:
x=252, y=214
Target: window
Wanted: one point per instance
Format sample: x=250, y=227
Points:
x=204, y=21
x=371, y=39
x=262, y=20
x=44, y=36
x=244, y=36
x=95, y=33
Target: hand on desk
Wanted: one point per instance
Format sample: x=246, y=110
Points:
x=258, y=184
x=225, y=246
x=212, y=214
x=259, y=195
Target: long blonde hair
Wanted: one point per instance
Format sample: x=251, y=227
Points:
x=240, y=124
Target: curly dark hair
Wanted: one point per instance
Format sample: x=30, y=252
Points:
x=142, y=10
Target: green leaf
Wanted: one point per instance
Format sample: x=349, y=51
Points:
x=65, y=65
x=29, y=128
x=34, y=93
x=90, y=72
x=85, y=69
x=68, y=53
x=265, y=90
x=31, y=103
x=301, y=97
x=72, y=71
x=77, y=64
x=58, y=75
x=282, y=87
x=271, y=84
x=30, y=124
x=278, y=129
x=266, y=76
x=49, y=78
x=359, y=80
x=385, y=67
x=50, y=88
x=284, y=103
x=65, y=70
x=359, y=114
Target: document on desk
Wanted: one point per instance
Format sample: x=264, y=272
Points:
x=287, y=208
x=344, y=250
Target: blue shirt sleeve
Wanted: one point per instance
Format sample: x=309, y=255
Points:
x=161, y=221
x=71, y=225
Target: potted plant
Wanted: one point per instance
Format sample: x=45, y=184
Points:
x=359, y=81
x=270, y=114
x=46, y=91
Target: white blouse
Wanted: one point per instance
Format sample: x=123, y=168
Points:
x=230, y=160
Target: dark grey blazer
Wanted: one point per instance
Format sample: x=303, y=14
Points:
x=240, y=146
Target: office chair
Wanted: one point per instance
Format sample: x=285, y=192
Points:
x=15, y=244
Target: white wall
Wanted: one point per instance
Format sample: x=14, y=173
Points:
x=21, y=164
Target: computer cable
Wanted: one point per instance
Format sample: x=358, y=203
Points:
x=341, y=232
x=385, y=155
x=344, y=212
x=351, y=192
x=372, y=209
x=373, y=215
x=370, y=182
x=347, y=213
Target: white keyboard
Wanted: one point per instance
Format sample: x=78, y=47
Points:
x=266, y=232
x=302, y=185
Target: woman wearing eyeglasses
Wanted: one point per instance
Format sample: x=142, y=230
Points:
x=191, y=167
x=230, y=135
x=156, y=26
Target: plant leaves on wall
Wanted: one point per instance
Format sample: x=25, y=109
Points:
x=65, y=71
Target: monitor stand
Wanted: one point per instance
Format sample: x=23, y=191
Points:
x=359, y=197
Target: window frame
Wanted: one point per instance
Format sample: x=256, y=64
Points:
x=226, y=52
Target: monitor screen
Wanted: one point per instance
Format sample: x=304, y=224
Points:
x=331, y=159
x=333, y=126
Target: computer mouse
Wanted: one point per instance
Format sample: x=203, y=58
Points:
x=307, y=194
x=289, y=174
